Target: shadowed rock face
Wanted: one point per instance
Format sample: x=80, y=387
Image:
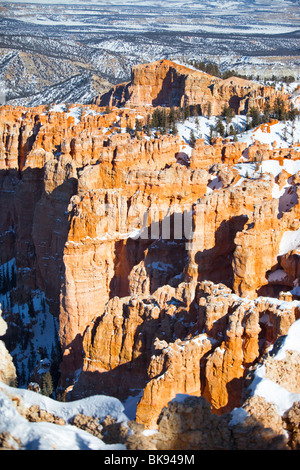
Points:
x=153, y=275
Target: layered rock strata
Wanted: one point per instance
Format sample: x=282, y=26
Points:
x=268, y=418
x=202, y=329
x=153, y=260
x=166, y=83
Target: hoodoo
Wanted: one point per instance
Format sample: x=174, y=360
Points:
x=148, y=256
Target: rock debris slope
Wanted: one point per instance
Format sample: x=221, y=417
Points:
x=165, y=266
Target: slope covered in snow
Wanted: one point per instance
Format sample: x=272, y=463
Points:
x=50, y=436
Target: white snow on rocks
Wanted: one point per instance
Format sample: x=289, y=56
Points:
x=271, y=391
x=49, y=436
x=264, y=387
x=290, y=241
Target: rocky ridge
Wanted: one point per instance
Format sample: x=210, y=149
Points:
x=165, y=83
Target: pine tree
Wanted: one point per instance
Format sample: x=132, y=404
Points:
x=129, y=129
x=228, y=113
x=267, y=112
x=292, y=113
x=279, y=111
x=47, y=384
x=192, y=138
x=174, y=129
x=138, y=125
x=186, y=112
x=171, y=118
x=31, y=310
x=220, y=129
x=254, y=114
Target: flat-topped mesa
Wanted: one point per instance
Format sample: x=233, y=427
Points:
x=160, y=83
x=166, y=83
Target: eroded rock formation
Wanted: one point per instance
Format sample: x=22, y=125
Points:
x=167, y=268
x=166, y=83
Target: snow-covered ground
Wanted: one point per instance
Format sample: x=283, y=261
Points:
x=75, y=111
x=281, y=133
x=49, y=436
x=179, y=15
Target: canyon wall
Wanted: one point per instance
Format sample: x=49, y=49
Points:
x=168, y=271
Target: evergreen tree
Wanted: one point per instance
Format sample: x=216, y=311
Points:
x=279, y=111
x=254, y=114
x=186, y=112
x=47, y=384
x=174, y=129
x=267, y=112
x=219, y=128
x=31, y=310
x=228, y=113
x=292, y=112
x=233, y=132
x=138, y=125
x=192, y=138
x=129, y=129
x=164, y=121
x=171, y=117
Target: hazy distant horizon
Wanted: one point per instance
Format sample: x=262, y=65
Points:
x=182, y=3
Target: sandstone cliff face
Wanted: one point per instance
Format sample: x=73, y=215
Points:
x=265, y=421
x=202, y=329
x=165, y=83
x=152, y=262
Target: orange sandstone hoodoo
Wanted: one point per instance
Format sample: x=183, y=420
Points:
x=86, y=205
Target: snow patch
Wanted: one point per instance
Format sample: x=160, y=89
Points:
x=277, y=276
x=49, y=436
x=290, y=241
x=291, y=341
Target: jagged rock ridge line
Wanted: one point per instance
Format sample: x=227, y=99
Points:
x=165, y=83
